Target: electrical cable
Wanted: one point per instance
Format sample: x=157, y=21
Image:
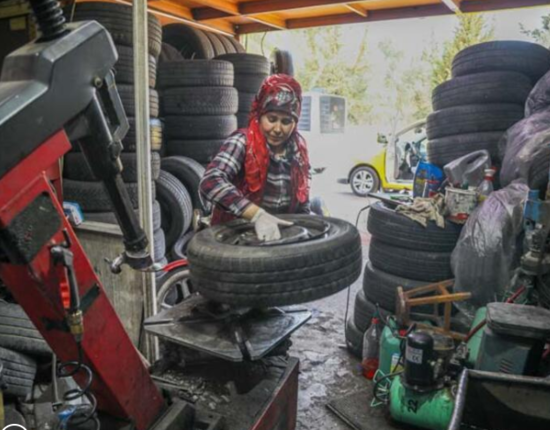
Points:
x=84, y=412
x=349, y=288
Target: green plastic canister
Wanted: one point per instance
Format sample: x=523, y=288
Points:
x=390, y=348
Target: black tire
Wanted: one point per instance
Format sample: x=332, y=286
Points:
x=169, y=53
x=92, y=197
x=238, y=45
x=191, y=42
x=202, y=151
x=19, y=372
x=247, y=63
x=228, y=46
x=196, y=73
x=128, y=101
x=363, y=311
x=18, y=333
x=396, y=229
x=155, y=128
x=380, y=287
x=200, y=101
x=472, y=119
x=179, y=250
x=159, y=244
x=364, y=180
x=110, y=218
x=217, y=45
x=354, y=338
x=117, y=19
x=410, y=264
x=200, y=127
x=242, y=120
x=245, y=102
x=482, y=88
x=189, y=172
x=249, y=83
x=281, y=62
x=124, y=67
x=530, y=59
x=276, y=275
x=76, y=167
x=446, y=149
x=176, y=207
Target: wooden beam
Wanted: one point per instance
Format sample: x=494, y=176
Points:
x=221, y=5
x=467, y=6
x=454, y=5
x=358, y=9
x=170, y=8
x=270, y=20
x=265, y=6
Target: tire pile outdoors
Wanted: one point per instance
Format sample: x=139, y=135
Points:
x=486, y=96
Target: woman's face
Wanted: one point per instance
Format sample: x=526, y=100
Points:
x=277, y=127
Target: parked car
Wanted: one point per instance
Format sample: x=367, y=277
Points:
x=392, y=168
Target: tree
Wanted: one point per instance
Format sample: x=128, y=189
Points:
x=540, y=35
x=406, y=91
x=471, y=30
x=327, y=67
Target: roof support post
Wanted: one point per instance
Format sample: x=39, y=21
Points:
x=143, y=150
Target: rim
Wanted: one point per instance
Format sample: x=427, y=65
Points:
x=301, y=231
x=175, y=289
x=363, y=181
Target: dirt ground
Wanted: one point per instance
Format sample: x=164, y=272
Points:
x=328, y=370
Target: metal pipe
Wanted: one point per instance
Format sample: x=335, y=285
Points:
x=460, y=401
x=143, y=150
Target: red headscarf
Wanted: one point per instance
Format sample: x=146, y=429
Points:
x=278, y=93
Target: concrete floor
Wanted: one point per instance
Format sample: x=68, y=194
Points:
x=328, y=370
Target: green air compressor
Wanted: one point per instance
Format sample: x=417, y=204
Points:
x=421, y=395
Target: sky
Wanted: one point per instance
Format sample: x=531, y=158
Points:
x=413, y=35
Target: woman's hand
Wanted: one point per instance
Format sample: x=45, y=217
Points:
x=267, y=225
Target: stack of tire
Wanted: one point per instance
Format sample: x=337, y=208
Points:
x=250, y=72
x=199, y=105
x=491, y=82
x=21, y=347
x=402, y=253
x=80, y=185
x=196, y=44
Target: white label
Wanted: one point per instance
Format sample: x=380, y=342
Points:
x=414, y=355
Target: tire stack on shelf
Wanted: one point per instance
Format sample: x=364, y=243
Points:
x=198, y=104
x=80, y=185
x=196, y=44
x=250, y=72
x=491, y=82
x=402, y=253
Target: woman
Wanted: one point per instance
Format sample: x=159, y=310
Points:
x=264, y=169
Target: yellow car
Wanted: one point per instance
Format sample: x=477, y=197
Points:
x=393, y=167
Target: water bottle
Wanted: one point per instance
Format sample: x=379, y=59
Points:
x=371, y=348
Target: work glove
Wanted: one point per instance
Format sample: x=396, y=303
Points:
x=267, y=225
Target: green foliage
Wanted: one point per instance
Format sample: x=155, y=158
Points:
x=540, y=35
x=471, y=30
x=327, y=67
x=406, y=90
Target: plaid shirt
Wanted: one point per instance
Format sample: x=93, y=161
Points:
x=218, y=182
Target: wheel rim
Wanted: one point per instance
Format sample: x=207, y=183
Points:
x=363, y=182
x=175, y=289
x=301, y=231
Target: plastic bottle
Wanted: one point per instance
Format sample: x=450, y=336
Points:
x=371, y=348
x=486, y=186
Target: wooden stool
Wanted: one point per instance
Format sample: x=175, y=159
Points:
x=441, y=295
